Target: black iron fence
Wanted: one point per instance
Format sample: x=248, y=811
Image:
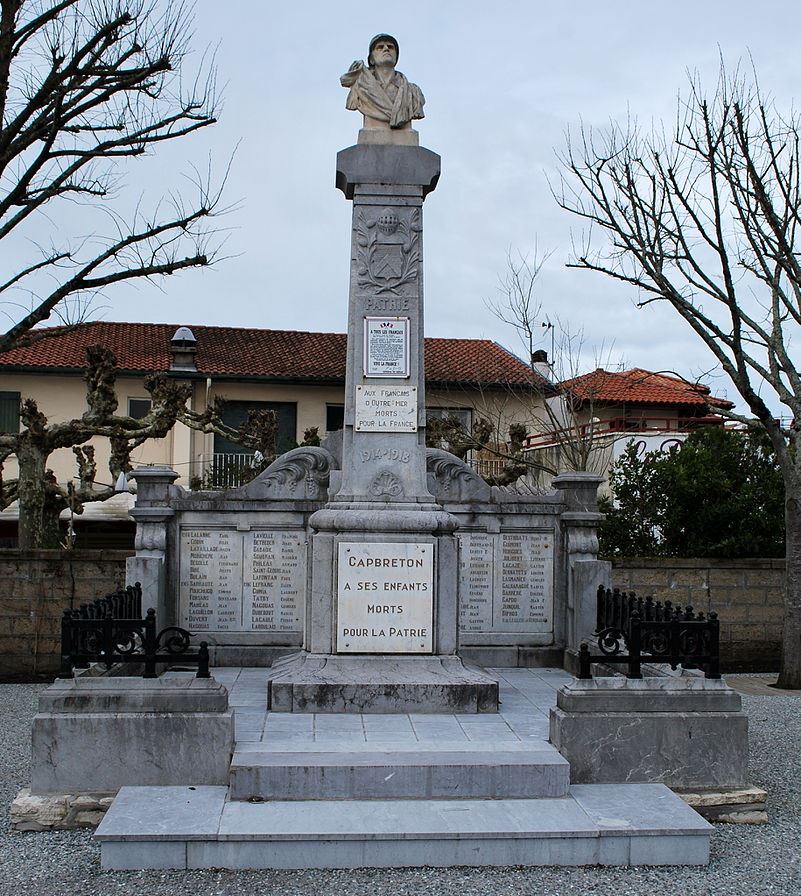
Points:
x=651, y=631
x=112, y=630
x=123, y=604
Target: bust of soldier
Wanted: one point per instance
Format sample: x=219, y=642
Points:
x=386, y=99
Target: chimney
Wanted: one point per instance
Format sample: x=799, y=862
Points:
x=183, y=348
x=540, y=365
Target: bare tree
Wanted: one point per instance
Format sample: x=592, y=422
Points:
x=85, y=85
x=707, y=219
x=563, y=423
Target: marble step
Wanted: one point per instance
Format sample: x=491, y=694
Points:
x=399, y=774
x=604, y=824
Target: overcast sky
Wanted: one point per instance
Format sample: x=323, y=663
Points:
x=503, y=81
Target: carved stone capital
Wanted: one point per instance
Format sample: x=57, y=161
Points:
x=153, y=485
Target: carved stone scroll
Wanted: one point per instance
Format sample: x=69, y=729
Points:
x=302, y=473
x=455, y=480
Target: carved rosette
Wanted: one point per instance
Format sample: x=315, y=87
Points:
x=388, y=250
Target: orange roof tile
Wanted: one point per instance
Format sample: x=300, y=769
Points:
x=259, y=354
x=638, y=386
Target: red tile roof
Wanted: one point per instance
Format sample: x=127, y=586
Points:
x=260, y=354
x=638, y=386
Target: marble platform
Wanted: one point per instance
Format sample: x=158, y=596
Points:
x=360, y=818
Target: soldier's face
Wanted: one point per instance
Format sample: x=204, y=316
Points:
x=384, y=53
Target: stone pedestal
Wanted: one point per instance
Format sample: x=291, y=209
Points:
x=100, y=734
x=687, y=732
x=381, y=628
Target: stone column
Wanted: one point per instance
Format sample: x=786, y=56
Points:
x=152, y=513
x=584, y=572
x=387, y=185
x=384, y=556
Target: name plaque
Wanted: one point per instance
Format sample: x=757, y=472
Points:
x=386, y=346
x=386, y=409
x=506, y=582
x=232, y=581
x=385, y=598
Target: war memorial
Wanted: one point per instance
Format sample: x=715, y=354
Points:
x=384, y=629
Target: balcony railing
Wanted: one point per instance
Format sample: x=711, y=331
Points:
x=617, y=426
x=229, y=470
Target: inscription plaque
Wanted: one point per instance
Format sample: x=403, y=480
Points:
x=506, y=582
x=386, y=346
x=232, y=581
x=476, y=574
x=385, y=597
x=386, y=409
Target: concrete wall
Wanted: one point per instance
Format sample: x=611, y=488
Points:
x=746, y=594
x=35, y=588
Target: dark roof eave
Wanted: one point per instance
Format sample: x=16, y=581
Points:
x=523, y=388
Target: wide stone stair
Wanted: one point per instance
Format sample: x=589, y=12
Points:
x=345, y=793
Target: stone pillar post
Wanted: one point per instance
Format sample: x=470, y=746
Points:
x=152, y=513
x=584, y=572
x=381, y=630
x=387, y=185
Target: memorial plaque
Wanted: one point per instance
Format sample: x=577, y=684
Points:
x=232, y=581
x=386, y=346
x=525, y=582
x=211, y=579
x=386, y=409
x=274, y=581
x=476, y=575
x=506, y=582
x=385, y=598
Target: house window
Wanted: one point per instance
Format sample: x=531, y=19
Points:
x=334, y=417
x=463, y=415
x=139, y=407
x=235, y=413
x=9, y=411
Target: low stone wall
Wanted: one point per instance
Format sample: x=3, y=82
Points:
x=746, y=594
x=35, y=587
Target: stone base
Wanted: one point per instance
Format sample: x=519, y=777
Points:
x=99, y=734
x=513, y=656
x=58, y=811
x=744, y=805
x=687, y=733
x=380, y=684
x=163, y=828
x=389, y=136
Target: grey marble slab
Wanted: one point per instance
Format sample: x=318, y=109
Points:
x=163, y=813
x=646, y=808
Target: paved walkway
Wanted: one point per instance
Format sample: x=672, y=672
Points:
x=526, y=698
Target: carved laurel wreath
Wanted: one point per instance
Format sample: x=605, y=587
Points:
x=368, y=243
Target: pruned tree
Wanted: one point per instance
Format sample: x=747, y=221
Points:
x=41, y=498
x=706, y=219
x=449, y=432
x=84, y=86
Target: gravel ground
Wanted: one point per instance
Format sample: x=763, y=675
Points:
x=746, y=860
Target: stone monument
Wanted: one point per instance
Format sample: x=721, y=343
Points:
x=382, y=607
